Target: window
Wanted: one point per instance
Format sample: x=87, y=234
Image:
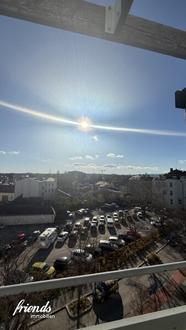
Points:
x=171, y=201
x=170, y=184
x=171, y=192
x=179, y=201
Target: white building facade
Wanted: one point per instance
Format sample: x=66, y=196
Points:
x=169, y=193
x=30, y=187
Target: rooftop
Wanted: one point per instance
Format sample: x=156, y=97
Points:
x=7, y=188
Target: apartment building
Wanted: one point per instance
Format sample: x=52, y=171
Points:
x=31, y=187
x=7, y=192
x=169, y=191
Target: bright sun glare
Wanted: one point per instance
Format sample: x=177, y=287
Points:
x=84, y=124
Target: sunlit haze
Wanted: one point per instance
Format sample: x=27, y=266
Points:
x=71, y=102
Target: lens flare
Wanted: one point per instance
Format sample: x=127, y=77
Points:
x=85, y=124
x=38, y=114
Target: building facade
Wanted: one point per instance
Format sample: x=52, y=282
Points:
x=169, y=192
x=30, y=187
x=7, y=193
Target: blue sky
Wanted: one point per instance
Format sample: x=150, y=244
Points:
x=72, y=76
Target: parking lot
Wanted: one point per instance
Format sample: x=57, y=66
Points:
x=92, y=237
x=94, y=234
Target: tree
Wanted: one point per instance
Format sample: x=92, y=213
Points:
x=11, y=274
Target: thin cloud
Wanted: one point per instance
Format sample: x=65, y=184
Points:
x=110, y=166
x=13, y=152
x=76, y=158
x=95, y=138
x=89, y=157
x=78, y=164
x=118, y=169
x=112, y=155
x=140, y=168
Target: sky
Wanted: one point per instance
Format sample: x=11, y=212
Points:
x=72, y=76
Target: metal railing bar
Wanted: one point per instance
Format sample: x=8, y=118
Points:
x=87, y=279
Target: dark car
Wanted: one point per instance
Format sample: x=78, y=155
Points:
x=73, y=235
x=133, y=233
x=127, y=238
x=101, y=227
x=106, y=246
x=68, y=226
x=61, y=264
x=21, y=236
x=95, y=251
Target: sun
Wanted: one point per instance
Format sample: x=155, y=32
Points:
x=84, y=124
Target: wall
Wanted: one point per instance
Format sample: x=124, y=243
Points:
x=47, y=189
x=26, y=219
x=34, y=188
x=27, y=187
x=9, y=196
x=170, y=193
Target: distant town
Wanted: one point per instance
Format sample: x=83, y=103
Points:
x=94, y=190
x=61, y=225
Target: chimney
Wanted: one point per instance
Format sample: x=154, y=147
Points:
x=171, y=169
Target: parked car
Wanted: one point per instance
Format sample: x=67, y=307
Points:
x=36, y=234
x=21, y=236
x=43, y=267
x=87, y=222
x=95, y=251
x=120, y=213
x=116, y=221
x=115, y=214
x=127, y=238
x=77, y=226
x=62, y=236
x=117, y=241
x=73, y=235
x=139, y=215
x=137, y=209
x=61, y=264
x=107, y=246
x=81, y=255
x=93, y=228
x=83, y=233
x=110, y=222
x=95, y=220
x=102, y=219
x=134, y=233
x=68, y=227
x=101, y=227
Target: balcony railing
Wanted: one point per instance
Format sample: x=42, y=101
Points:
x=171, y=319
